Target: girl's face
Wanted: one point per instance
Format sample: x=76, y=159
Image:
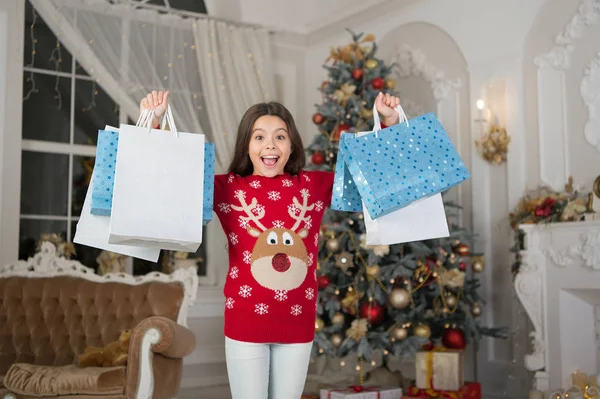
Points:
x=270, y=146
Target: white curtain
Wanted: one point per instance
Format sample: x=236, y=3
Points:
x=235, y=73
x=214, y=70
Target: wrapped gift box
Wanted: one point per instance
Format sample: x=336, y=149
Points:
x=367, y=393
x=470, y=390
x=439, y=369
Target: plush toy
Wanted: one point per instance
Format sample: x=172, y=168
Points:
x=113, y=354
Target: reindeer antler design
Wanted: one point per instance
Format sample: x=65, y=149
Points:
x=304, y=207
x=247, y=208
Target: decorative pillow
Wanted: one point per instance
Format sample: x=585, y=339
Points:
x=44, y=381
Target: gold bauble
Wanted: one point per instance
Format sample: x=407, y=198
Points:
x=399, y=298
x=371, y=64
x=400, y=333
x=336, y=340
x=476, y=310
x=373, y=271
x=319, y=325
x=333, y=244
x=390, y=83
x=422, y=330
x=462, y=249
x=451, y=301
x=338, y=319
x=478, y=264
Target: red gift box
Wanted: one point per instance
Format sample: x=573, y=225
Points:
x=470, y=390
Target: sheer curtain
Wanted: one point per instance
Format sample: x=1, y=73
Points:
x=214, y=70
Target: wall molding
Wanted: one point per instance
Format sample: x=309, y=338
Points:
x=590, y=92
x=559, y=57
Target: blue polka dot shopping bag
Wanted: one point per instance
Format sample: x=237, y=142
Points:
x=396, y=166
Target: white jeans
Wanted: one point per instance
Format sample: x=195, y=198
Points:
x=266, y=371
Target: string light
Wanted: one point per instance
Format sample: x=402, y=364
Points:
x=31, y=77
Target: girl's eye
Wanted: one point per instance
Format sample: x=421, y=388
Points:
x=281, y=137
x=258, y=137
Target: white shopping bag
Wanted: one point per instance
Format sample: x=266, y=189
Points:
x=422, y=220
x=92, y=230
x=158, y=190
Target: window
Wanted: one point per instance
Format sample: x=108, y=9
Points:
x=63, y=108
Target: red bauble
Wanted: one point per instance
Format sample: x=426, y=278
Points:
x=323, y=282
x=462, y=249
x=318, y=118
x=324, y=84
x=462, y=267
x=372, y=311
x=454, y=338
x=337, y=132
x=357, y=73
x=378, y=83
x=318, y=158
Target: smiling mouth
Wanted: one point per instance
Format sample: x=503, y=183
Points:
x=270, y=160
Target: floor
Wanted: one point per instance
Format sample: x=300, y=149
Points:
x=218, y=392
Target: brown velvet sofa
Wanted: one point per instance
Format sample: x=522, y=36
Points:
x=51, y=309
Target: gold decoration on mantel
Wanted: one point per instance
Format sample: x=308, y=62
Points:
x=493, y=146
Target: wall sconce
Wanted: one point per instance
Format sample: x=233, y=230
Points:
x=493, y=144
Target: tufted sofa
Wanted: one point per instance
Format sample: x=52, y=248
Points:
x=51, y=309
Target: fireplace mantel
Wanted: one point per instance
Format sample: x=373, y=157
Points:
x=559, y=287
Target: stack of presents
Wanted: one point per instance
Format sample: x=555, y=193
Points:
x=439, y=374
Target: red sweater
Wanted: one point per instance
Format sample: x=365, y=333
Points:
x=272, y=226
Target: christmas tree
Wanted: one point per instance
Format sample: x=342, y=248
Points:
x=390, y=298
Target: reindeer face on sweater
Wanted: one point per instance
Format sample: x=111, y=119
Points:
x=279, y=257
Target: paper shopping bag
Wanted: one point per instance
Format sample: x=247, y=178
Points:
x=93, y=230
x=104, y=167
x=424, y=219
x=158, y=190
x=400, y=164
x=345, y=196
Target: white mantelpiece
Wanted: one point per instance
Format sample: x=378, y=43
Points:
x=559, y=286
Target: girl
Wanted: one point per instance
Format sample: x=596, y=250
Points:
x=271, y=211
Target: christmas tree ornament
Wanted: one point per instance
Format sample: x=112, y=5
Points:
x=422, y=330
x=373, y=271
x=357, y=73
x=319, y=325
x=358, y=329
x=371, y=63
x=451, y=301
x=317, y=158
x=350, y=301
x=372, y=311
x=344, y=261
x=366, y=113
x=400, y=333
x=318, y=118
x=454, y=338
x=476, y=310
x=452, y=278
x=337, y=132
x=462, y=266
x=377, y=83
x=324, y=84
x=478, y=264
x=338, y=319
x=399, y=298
x=323, y=282
x=345, y=91
x=336, y=340
x=390, y=83
x=333, y=244
x=462, y=249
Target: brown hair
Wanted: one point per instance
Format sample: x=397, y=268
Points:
x=241, y=163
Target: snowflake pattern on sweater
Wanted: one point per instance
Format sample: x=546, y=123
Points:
x=272, y=225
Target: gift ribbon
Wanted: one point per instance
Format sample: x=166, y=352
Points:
x=355, y=389
x=432, y=393
x=429, y=366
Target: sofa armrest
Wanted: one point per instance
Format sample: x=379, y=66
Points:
x=176, y=341
x=153, y=339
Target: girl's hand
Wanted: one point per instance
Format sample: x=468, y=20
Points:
x=158, y=101
x=385, y=105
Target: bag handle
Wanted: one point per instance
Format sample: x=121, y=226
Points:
x=147, y=115
x=377, y=121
